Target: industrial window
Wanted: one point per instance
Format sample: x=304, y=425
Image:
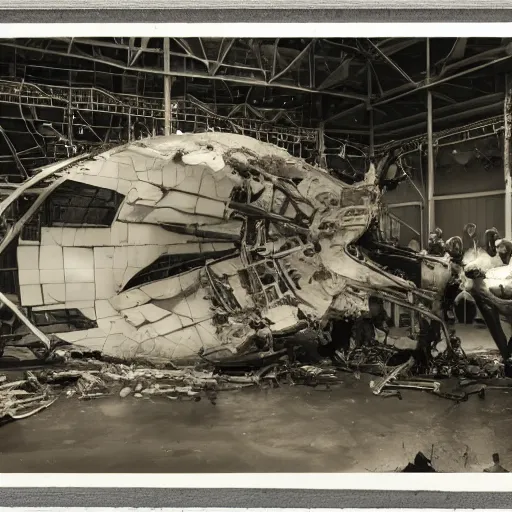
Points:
x=9, y=269
x=173, y=264
x=80, y=204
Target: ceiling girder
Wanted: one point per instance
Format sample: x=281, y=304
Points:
x=501, y=54
x=345, y=113
x=276, y=67
x=293, y=63
x=193, y=74
x=390, y=48
x=488, y=55
x=224, y=48
x=340, y=74
x=393, y=64
x=440, y=112
x=458, y=50
x=144, y=44
x=493, y=108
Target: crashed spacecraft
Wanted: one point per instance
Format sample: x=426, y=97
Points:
x=170, y=246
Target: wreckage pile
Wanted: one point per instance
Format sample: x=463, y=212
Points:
x=382, y=359
x=20, y=399
x=85, y=378
x=229, y=253
x=93, y=379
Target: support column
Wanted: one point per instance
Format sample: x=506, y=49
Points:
x=321, y=145
x=167, y=87
x=129, y=124
x=506, y=158
x=371, y=143
x=70, y=114
x=430, y=153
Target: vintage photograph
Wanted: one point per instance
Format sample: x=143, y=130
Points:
x=255, y=255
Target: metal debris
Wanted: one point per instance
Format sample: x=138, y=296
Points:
x=75, y=373
x=88, y=379
x=21, y=399
x=379, y=385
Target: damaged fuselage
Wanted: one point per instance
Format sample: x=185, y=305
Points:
x=168, y=247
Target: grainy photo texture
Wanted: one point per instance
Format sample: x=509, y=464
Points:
x=255, y=255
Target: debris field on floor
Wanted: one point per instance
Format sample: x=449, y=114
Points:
x=75, y=374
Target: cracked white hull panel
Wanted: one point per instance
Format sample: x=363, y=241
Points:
x=136, y=327
x=191, y=195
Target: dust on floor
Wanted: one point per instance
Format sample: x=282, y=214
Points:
x=287, y=429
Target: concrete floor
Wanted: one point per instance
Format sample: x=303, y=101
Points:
x=289, y=429
x=475, y=338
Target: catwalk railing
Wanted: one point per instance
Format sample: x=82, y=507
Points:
x=138, y=116
x=77, y=124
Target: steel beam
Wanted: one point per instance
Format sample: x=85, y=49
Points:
x=458, y=50
x=107, y=44
x=293, y=63
x=381, y=91
x=312, y=66
x=407, y=89
x=340, y=74
x=347, y=112
x=191, y=74
x=223, y=51
x=469, y=195
x=12, y=148
x=456, y=53
x=321, y=145
x=32, y=328
x=430, y=152
x=371, y=142
x=274, y=58
x=487, y=55
x=393, y=64
x=454, y=118
x=348, y=131
x=443, y=97
x=167, y=87
x=144, y=44
x=450, y=112
x=402, y=44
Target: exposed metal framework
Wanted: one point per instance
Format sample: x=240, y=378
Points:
x=332, y=68
x=368, y=92
x=252, y=76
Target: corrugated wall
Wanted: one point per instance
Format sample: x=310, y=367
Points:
x=411, y=215
x=486, y=212
x=452, y=178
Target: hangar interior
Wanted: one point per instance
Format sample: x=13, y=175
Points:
x=412, y=133
x=335, y=101
x=441, y=103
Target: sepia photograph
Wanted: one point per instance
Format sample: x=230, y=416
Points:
x=255, y=255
